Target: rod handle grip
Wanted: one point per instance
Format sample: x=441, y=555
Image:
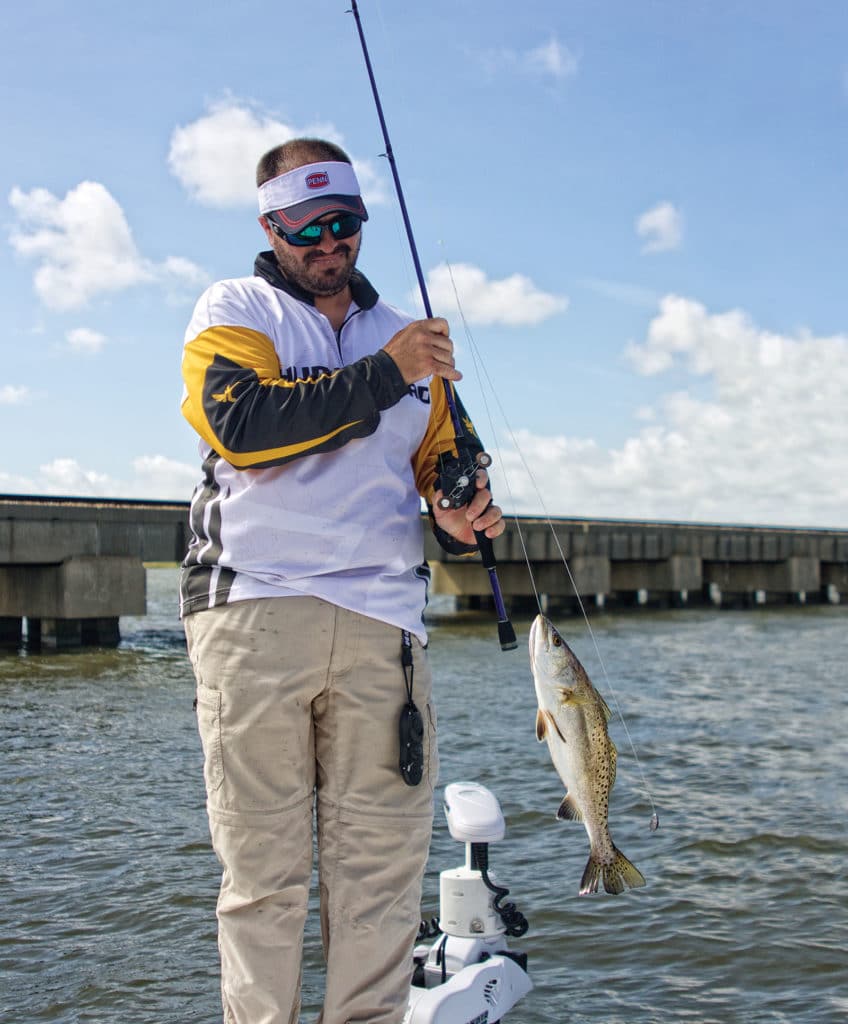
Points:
x=506, y=633
x=487, y=550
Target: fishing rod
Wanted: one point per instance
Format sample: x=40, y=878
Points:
x=457, y=475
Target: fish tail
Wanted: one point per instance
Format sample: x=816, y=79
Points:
x=616, y=875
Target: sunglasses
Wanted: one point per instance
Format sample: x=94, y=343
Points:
x=344, y=226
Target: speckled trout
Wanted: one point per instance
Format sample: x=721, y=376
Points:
x=573, y=718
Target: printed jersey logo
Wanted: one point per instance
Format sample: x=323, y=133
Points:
x=295, y=373
x=227, y=395
x=320, y=179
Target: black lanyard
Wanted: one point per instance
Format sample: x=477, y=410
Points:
x=411, y=724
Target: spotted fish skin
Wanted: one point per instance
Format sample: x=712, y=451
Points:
x=572, y=718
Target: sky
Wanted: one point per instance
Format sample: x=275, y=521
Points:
x=632, y=214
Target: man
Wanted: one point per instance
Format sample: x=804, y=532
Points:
x=321, y=418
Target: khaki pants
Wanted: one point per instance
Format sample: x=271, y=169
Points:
x=298, y=703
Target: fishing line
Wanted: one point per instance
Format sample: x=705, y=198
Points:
x=480, y=370
x=461, y=471
x=457, y=475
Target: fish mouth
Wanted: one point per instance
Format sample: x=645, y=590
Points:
x=546, y=640
x=541, y=629
x=534, y=627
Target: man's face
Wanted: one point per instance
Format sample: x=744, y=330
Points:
x=320, y=269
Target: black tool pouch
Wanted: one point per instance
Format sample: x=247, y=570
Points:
x=410, y=724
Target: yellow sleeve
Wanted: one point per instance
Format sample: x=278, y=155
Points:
x=237, y=401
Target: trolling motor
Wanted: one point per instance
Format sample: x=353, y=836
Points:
x=456, y=473
x=469, y=974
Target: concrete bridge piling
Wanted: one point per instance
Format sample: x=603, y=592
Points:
x=71, y=567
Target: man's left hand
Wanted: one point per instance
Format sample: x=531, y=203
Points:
x=478, y=514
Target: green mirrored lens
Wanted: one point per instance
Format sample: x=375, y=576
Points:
x=348, y=224
x=342, y=227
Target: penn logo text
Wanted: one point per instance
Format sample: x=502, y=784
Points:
x=320, y=179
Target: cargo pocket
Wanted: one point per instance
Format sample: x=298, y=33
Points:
x=209, y=727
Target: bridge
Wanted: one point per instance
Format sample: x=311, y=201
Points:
x=71, y=567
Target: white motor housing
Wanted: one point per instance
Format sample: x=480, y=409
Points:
x=480, y=992
x=473, y=813
x=466, y=905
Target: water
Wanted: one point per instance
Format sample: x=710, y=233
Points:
x=108, y=885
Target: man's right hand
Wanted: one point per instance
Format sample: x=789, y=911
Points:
x=423, y=349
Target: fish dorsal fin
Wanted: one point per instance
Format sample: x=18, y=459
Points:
x=568, y=810
x=605, y=708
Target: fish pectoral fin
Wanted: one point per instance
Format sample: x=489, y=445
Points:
x=547, y=720
x=568, y=810
x=579, y=698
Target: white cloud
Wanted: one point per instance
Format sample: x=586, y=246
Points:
x=156, y=477
x=550, y=58
x=11, y=483
x=214, y=158
x=14, y=394
x=82, y=242
x=662, y=227
x=83, y=339
x=177, y=268
x=514, y=301
x=712, y=342
x=83, y=245
x=621, y=291
x=181, y=279
x=769, y=443
x=66, y=476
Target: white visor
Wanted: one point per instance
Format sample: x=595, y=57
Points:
x=307, y=192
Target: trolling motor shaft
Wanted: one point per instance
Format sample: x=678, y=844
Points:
x=468, y=465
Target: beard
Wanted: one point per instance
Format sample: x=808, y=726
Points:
x=307, y=271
